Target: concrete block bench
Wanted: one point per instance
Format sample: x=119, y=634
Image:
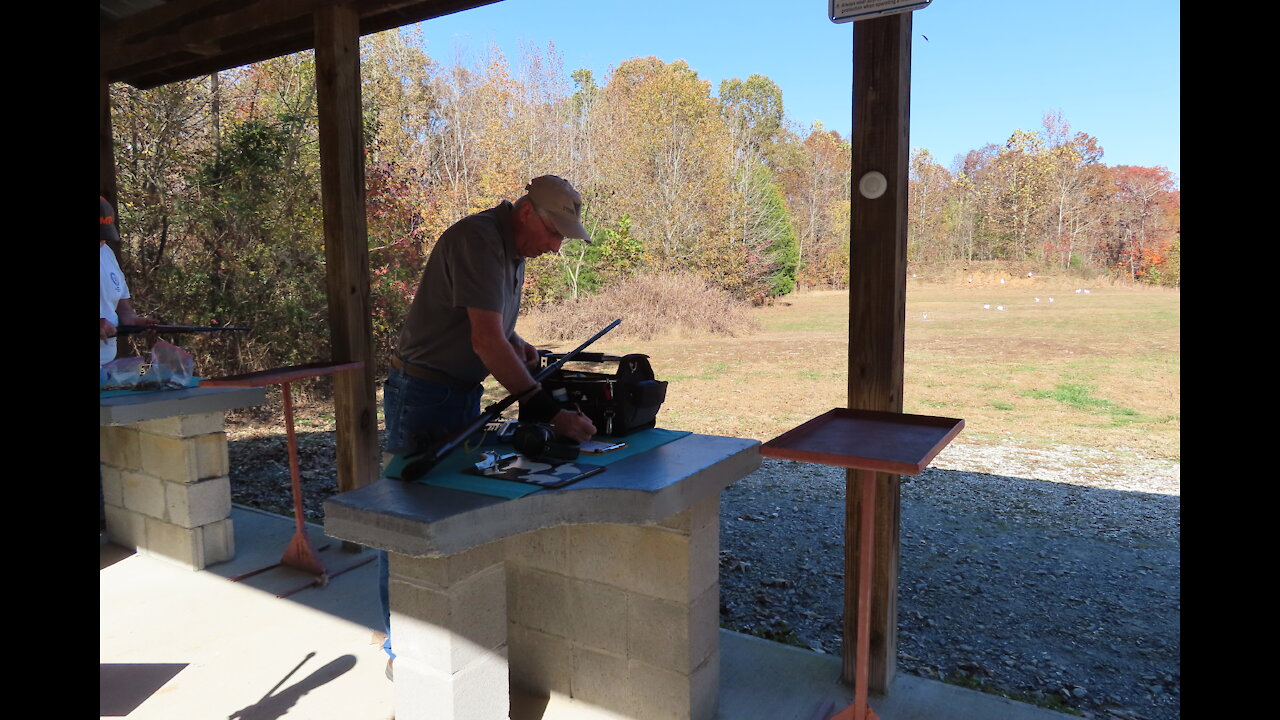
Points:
x=165, y=482
x=605, y=591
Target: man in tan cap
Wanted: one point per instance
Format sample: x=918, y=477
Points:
x=461, y=326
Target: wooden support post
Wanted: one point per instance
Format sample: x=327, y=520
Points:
x=346, y=240
x=877, y=313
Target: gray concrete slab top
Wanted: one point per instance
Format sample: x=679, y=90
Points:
x=423, y=521
x=143, y=406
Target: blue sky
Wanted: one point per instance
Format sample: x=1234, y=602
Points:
x=989, y=67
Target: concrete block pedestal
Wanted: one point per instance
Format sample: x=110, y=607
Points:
x=167, y=490
x=448, y=621
x=165, y=482
x=605, y=592
x=623, y=617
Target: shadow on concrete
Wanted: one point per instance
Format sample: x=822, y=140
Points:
x=111, y=553
x=122, y=687
x=262, y=538
x=273, y=705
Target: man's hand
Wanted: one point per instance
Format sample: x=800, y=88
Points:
x=105, y=329
x=128, y=316
x=574, y=425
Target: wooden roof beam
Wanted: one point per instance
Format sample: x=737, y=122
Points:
x=188, y=38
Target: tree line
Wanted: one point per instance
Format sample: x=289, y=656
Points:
x=219, y=184
x=1047, y=197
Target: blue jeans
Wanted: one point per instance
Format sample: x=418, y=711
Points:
x=421, y=411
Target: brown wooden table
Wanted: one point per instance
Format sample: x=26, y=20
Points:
x=300, y=554
x=867, y=441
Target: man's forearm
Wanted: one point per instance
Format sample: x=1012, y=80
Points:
x=497, y=353
x=127, y=315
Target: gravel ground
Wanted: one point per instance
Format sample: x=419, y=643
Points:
x=1033, y=574
x=1043, y=575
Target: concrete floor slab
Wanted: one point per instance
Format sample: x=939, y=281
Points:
x=177, y=643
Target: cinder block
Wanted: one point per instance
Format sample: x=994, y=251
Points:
x=119, y=445
x=112, y=485
x=182, y=546
x=658, y=632
x=598, y=615
x=539, y=600
x=184, y=459
x=219, y=541
x=706, y=686
x=696, y=517
x=444, y=571
x=648, y=560
x=545, y=549
x=143, y=493
x=670, y=635
x=659, y=694
x=168, y=458
x=212, y=458
x=125, y=527
x=601, y=552
x=601, y=679
x=704, y=557
x=704, y=627
x=200, y=503
x=447, y=629
x=478, y=692
x=539, y=663
x=654, y=693
x=183, y=426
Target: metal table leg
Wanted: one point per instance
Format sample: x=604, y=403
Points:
x=300, y=554
x=860, y=709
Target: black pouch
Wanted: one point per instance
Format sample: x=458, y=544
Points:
x=618, y=404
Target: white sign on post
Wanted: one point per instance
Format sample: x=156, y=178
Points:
x=843, y=11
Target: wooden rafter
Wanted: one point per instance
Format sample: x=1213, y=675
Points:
x=187, y=38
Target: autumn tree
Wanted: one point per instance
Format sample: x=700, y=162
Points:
x=400, y=94
x=929, y=190
x=758, y=221
x=1074, y=189
x=815, y=175
x=664, y=161
x=161, y=135
x=1142, y=229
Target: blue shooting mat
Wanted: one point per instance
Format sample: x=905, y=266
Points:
x=449, y=473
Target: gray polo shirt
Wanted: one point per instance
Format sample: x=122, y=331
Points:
x=474, y=264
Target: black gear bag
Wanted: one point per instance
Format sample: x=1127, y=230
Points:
x=618, y=404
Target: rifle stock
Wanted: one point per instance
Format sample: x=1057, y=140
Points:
x=424, y=459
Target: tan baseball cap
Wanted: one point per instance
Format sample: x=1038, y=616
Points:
x=557, y=199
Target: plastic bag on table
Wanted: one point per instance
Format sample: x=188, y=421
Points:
x=121, y=373
x=171, y=366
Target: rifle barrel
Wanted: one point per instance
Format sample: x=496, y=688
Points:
x=131, y=329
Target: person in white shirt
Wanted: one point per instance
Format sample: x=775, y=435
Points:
x=114, y=305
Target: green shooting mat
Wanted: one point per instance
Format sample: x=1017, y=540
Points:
x=449, y=473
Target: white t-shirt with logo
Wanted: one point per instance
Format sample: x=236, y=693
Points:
x=114, y=288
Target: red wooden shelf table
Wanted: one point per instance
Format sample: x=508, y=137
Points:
x=301, y=553
x=868, y=441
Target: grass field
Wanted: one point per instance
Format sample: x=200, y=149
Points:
x=1097, y=369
